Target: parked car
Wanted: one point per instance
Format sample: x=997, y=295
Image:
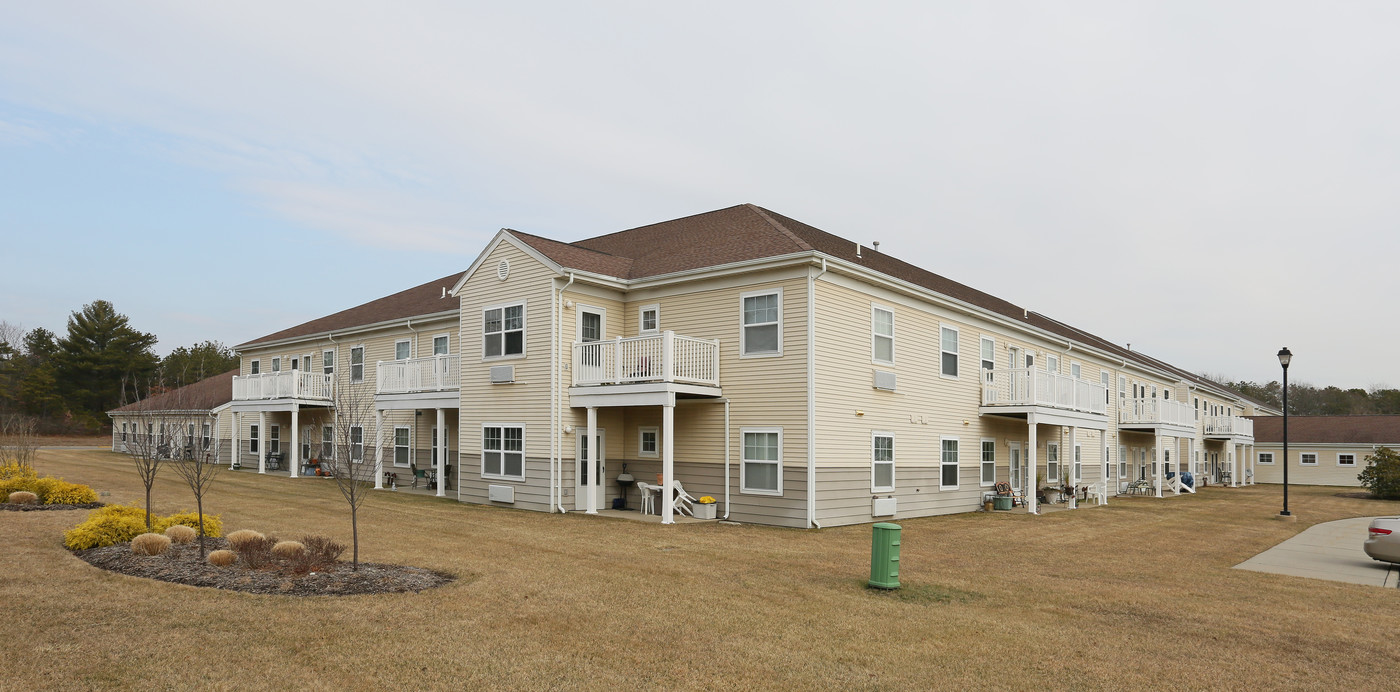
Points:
x=1383, y=539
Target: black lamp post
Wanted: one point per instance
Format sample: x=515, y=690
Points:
x=1285, y=356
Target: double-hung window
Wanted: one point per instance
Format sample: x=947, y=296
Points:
x=948, y=472
x=327, y=442
x=989, y=461
x=401, y=451
x=253, y=439
x=1052, y=462
x=205, y=439
x=1266, y=457
x=1346, y=460
x=648, y=441
x=882, y=463
x=1122, y=461
x=503, y=331
x=328, y=362
x=277, y=364
x=503, y=451
x=949, y=342
x=357, y=364
x=1076, y=371
x=1052, y=363
x=1103, y=380
x=648, y=318
x=357, y=443
x=254, y=367
x=403, y=349
x=441, y=344
x=988, y=364
x=274, y=439
x=1307, y=459
x=761, y=470
x=761, y=324
x=1078, y=464
x=881, y=334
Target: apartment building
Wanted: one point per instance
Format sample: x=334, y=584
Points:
x=1322, y=450
x=189, y=420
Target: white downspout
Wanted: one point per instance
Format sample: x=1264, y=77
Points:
x=726, y=459
x=812, y=396
x=413, y=352
x=556, y=461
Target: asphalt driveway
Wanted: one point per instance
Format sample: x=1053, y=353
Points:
x=1330, y=551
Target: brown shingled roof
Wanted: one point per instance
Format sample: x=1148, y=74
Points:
x=1328, y=429
x=208, y=393
x=748, y=232
x=425, y=299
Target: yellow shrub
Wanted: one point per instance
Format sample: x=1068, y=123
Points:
x=109, y=525
x=50, y=491
x=61, y=492
x=10, y=470
x=213, y=526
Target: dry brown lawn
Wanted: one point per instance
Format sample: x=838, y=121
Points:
x=1139, y=594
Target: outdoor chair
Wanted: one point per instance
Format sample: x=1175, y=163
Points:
x=1004, y=489
x=420, y=474
x=648, y=492
x=685, y=504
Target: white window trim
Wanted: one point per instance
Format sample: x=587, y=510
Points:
x=1077, y=463
x=982, y=462
x=874, y=308
x=641, y=321
x=331, y=430
x=743, y=462
x=743, y=333
x=1059, y=462
x=640, y=433
x=957, y=464
x=331, y=351
x=1304, y=455
x=361, y=378
x=1122, y=461
x=409, y=350
x=255, y=366
x=1076, y=370
x=481, y=449
x=1346, y=454
x=1270, y=455
x=253, y=440
x=357, y=458
x=277, y=363
x=524, y=330
x=882, y=488
x=408, y=445
x=274, y=439
x=982, y=361
x=444, y=335
x=957, y=340
x=602, y=321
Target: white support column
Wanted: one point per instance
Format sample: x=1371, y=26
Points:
x=1157, y=460
x=1195, y=466
x=378, y=449
x=295, y=455
x=591, y=463
x=1105, y=464
x=233, y=455
x=1253, y=472
x=1073, y=481
x=1233, y=450
x=440, y=444
x=1031, y=481
x=668, y=461
x=262, y=441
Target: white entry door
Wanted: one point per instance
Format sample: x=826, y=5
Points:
x=1016, y=465
x=587, y=479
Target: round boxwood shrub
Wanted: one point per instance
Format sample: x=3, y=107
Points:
x=150, y=544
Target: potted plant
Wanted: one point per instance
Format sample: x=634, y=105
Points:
x=705, y=508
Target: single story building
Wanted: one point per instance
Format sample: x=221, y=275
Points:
x=1322, y=450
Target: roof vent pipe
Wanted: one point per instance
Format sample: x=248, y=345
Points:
x=444, y=291
x=858, y=251
x=876, y=245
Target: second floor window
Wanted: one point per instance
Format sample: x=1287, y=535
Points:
x=357, y=364
x=649, y=319
x=503, y=331
x=254, y=367
x=440, y=345
x=401, y=350
x=277, y=364
x=328, y=362
x=950, y=352
x=882, y=334
x=762, y=324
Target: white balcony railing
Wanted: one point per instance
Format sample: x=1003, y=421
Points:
x=1155, y=411
x=1031, y=387
x=294, y=384
x=432, y=374
x=664, y=357
x=1229, y=425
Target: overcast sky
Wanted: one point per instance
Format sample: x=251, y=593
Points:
x=1207, y=181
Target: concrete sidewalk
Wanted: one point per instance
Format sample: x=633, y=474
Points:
x=1330, y=551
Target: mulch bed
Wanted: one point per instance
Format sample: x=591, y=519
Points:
x=11, y=507
x=181, y=565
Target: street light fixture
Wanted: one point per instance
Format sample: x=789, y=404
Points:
x=1285, y=356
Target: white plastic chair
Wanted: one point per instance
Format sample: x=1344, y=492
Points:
x=649, y=492
x=685, y=504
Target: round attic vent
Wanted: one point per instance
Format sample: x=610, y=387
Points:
x=503, y=270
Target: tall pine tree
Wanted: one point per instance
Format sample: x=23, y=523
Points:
x=99, y=353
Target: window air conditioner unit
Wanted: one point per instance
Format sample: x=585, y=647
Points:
x=502, y=374
x=501, y=493
x=884, y=380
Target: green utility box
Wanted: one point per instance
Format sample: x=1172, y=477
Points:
x=884, y=556
x=1001, y=502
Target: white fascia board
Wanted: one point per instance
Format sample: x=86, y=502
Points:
x=504, y=235
x=446, y=314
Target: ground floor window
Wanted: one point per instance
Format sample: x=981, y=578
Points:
x=1346, y=460
x=1266, y=457
x=503, y=451
x=1052, y=463
x=1078, y=463
x=274, y=439
x=948, y=476
x=648, y=441
x=123, y=432
x=1122, y=462
x=761, y=470
x=401, y=445
x=327, y=442
x=205, y=439
x=1307, y=459
x=357, y=443
x=252, y=439
x=882, y=463
x=989, y=462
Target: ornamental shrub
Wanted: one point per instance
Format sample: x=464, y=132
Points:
x=242, y=536
x=1382, y=474
x=61, y=492
x=255, y=550
x=150, y=544
x=288, y=550
x=50, y=491
x=213, y=526
x=179, y=533
x=10, y=470
x=109, y=525
x=321, y=551
x=222, y=558
x=22, y=497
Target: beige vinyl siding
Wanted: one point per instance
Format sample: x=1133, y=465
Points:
x=527, y=400
x=1327, y=472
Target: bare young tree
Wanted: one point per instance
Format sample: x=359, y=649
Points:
x=148, y=446
x=19, y=440
x=195, y=455
x=354, y=419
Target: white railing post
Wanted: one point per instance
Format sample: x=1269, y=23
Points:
x=668, y=355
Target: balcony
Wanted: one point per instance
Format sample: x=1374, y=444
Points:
x=1222, y=427
x=1153, y=413
x=441, y=373
x=665, y=357
x=1027, y=390
x=296, y=384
